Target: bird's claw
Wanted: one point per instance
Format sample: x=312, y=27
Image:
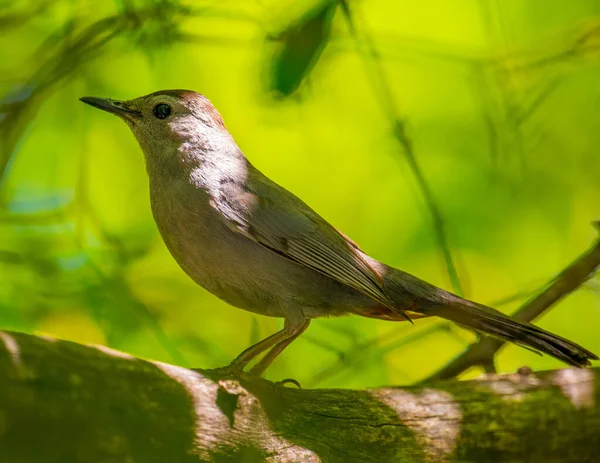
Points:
x=283, y=382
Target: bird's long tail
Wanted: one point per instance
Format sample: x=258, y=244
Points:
x=417, y=297
x=493, y=323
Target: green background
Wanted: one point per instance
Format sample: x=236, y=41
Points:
x=499, y=99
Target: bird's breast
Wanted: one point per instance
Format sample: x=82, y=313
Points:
x=235, y=268
x=203, y=246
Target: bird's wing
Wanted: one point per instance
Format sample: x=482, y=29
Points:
x=275, y=218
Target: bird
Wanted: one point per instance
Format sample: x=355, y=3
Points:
x=260, y=248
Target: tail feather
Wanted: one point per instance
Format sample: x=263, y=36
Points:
x=494, y=323
x=418, y=298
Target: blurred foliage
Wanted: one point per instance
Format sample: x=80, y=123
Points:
x=441, y=136
x=301, y=45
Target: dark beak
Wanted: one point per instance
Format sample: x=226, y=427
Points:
x=112, y=106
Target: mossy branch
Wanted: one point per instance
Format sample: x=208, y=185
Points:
x=61, y=401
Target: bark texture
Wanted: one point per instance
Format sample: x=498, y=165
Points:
x=65, y=402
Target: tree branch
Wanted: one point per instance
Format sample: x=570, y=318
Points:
x=482, y=352
x=60, y=401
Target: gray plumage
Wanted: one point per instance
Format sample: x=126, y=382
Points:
x=255, y=245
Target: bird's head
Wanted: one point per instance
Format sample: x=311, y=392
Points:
x=169, y=122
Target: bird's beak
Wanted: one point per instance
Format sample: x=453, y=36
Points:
x=112, y=106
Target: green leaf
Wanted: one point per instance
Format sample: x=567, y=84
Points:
x=301, y=46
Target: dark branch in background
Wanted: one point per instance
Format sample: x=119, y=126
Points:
x=482, y=352
x=17, y=18
x=370, y=58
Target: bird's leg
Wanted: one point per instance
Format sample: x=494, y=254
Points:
x=236, y=367
x=240, y=362
x=290, y=328
x=293, y=327
x=261, y=366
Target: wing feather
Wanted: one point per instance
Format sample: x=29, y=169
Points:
x=278, y=220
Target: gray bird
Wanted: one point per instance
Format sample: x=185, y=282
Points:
x=258, y=247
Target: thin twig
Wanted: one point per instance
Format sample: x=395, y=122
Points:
x=367, y=352
x=482, y=352
x=370, y=58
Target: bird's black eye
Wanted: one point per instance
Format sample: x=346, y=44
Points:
x=162, y=111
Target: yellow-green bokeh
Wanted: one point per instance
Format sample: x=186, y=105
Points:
x=500, y=101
